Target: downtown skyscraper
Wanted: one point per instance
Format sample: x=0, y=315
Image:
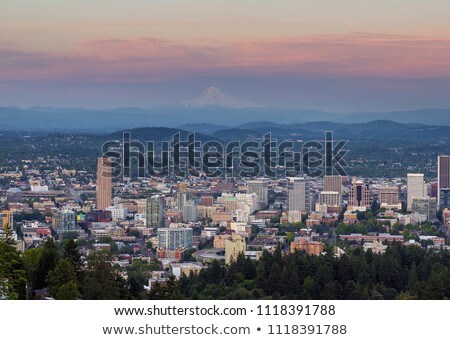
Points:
x=443, y=194
x=359, y=195
x=259, y=187
x=104, y=183
x=299, y=194
x=415, y=188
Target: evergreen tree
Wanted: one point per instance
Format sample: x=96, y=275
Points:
x=62, y=275
x=12, y=272
x=68, y=291
x=412, y=278
x=31, y=259
x=101, y=281
x=47, y=262
x=71, y=254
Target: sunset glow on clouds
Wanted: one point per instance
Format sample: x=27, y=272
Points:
x=150, y=51
x=155, y=60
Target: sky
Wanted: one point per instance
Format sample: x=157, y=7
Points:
x=335, y=55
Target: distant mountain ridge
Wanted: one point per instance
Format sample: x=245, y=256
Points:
x=377, y=130
x=156, y=134
x=212, y=111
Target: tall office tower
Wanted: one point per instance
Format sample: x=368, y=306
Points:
x=155, y=211
x=6, y=219
x=259, y=187
x=416, y=188
x=189, y=212
x=388, y=197
x=299, y=194
x=359, y=195
x=443, y=180
x=333, y=183
x=104, y=183
x=181, y=199
x=174, y=238
x=425, y=206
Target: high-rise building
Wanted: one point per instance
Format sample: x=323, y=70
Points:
x=189, y=212
x=329, y=198
x=425, y=206
x=333, y=183
x=230, y=203
x=434, y=190
x=259, y=187
x=104, y=183
x=299, y=194
x=155, y=211
x=248, y=202
x=416, y=188
x=6, y=219
x=174, y=238
x=444, y=198
x=233, y=247
x=141, y=206
x=118, y=211
x=443, y=177
x=64, y=221
x=389, y=197
x=359, y=195
x=181, y=198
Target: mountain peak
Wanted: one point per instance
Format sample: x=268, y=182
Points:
x=213, y=91
x=214, y=96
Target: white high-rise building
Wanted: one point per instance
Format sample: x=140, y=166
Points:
x=174, y=238
x=118, y=212
x=189, y=212
x=259, y=187
x=299, y=194
x=155, y=211
x=416, y=188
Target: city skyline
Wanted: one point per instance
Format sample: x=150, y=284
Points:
x=309, y=54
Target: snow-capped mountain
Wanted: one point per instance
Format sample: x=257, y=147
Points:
x=215, y=97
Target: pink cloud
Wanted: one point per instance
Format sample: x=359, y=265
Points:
x=147, y=60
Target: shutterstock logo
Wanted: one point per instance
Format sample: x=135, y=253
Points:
x=190, y=157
